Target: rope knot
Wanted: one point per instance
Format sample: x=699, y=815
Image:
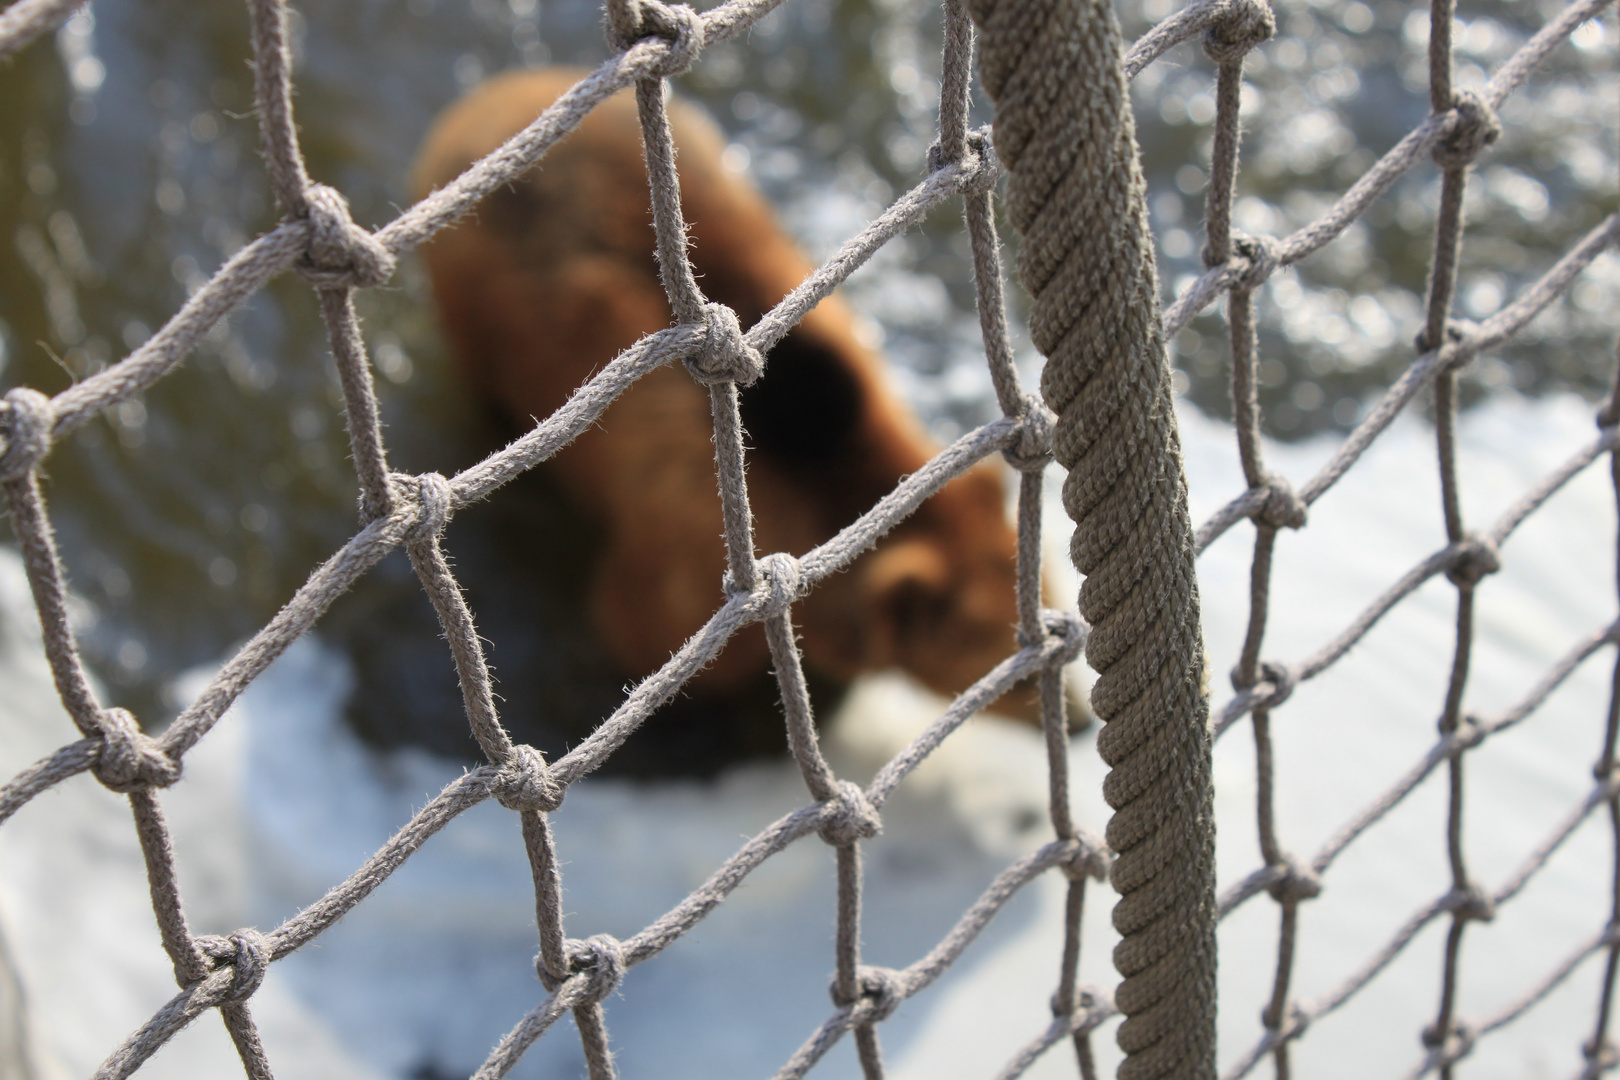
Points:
x=1298, y=882
x=340, y=254
x=724, y=355
x=1254, y=258
x=1282, y=509
x=28, y=420
x=847, y=816
x=1275, y=684
x=987, y=166
x=1456, y=332
x=1068, y=630
x=1604, y=1055
x=1472, y=903
x=880, y=992
x=1086, y=858
x=1033, y=450
x=777, y=582
x=1248, y=23
x=434, y=501
x=1468, y=734
x=524, y=782
x=1472, y=559
x=1475, y=128
x=675, y=26
x=1452, y=1043
x=1290, y=1025
x=247, y=952
x=131, y=760
x=1084, y=1001
x=600, y=957
x=981, y=169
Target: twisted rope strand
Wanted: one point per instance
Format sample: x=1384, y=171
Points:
x=1076, y=195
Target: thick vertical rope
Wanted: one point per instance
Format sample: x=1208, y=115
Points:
x=1065, y=132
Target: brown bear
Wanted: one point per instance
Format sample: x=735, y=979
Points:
x=553, y=275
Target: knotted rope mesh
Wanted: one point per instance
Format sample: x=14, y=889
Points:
x=1058, y=73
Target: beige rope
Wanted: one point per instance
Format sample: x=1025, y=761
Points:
x=1065, y=132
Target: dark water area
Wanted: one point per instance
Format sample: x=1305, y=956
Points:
x=1337, y=87
x=129, y=172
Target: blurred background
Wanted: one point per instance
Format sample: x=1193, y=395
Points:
x=129, y=171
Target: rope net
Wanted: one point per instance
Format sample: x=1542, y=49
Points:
x=1058, y=73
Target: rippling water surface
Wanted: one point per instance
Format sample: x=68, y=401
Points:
x=128, y=172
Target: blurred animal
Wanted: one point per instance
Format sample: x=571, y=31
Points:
x=554, y=274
